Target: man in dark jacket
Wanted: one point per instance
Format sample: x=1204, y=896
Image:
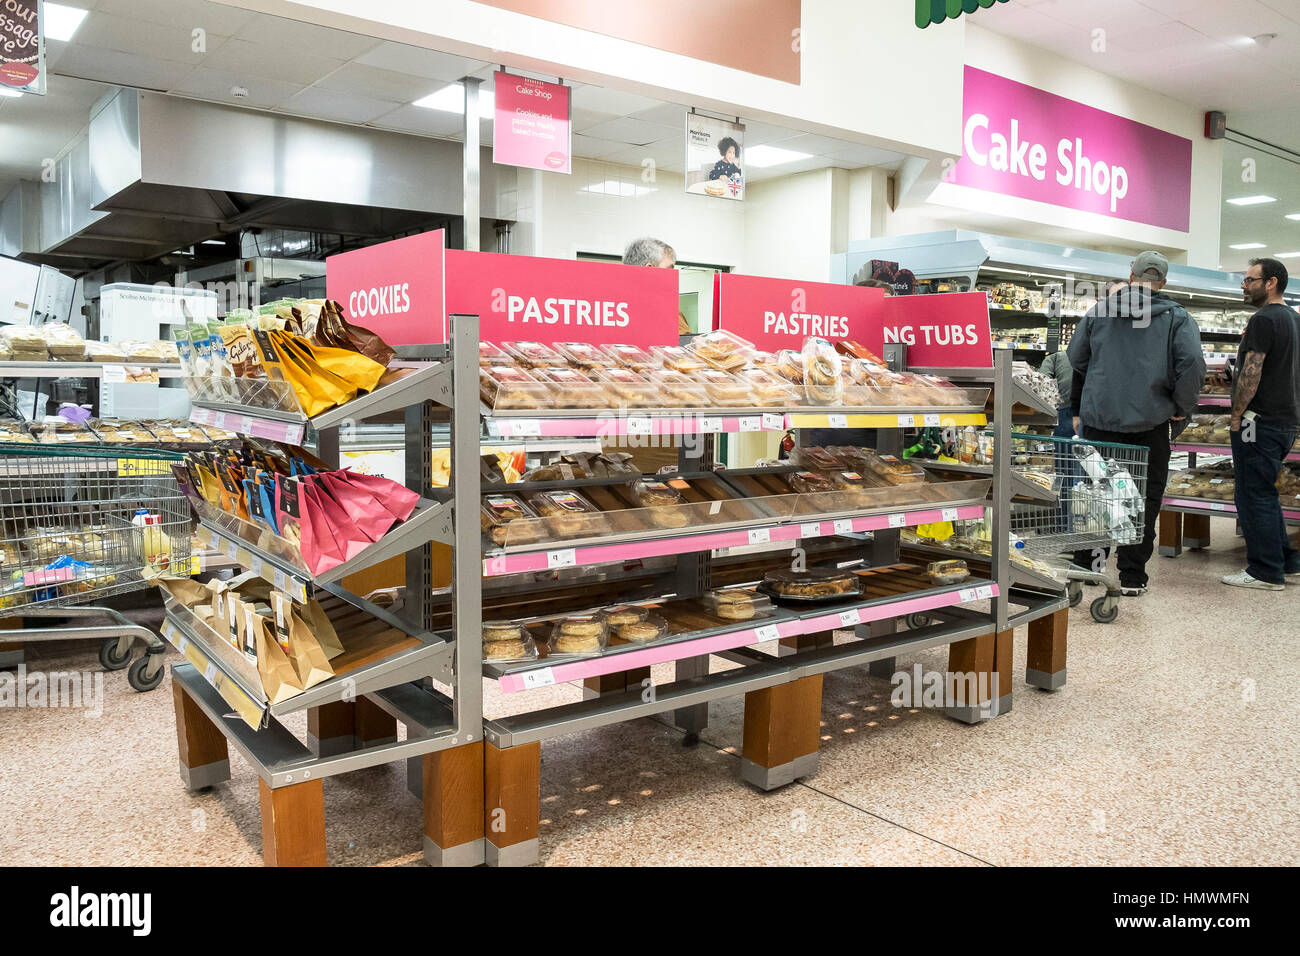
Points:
x=1138, y=366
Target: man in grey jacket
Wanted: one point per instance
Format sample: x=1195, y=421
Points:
x=1137, y=366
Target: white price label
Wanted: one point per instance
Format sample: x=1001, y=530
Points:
x=278, y=576
x=561, y=559
x=760, y=535
x=768, y=632
x=710, y=424
x=949, y=514
x=813, y=530
x=897, y=521
x=714, y=508
x=1217, y=506
x=932, y=421
x=524, y=427
x=849, y=618
x=638, y=425
x=843, y=525
x=544, y=677
x=219, y=419
x=751, y=424
x=182, y=644
x=773, y=422
x=210, y=673
x=906, y=421
x=114, y=374
x=966, y=594
x=984, y=591
x=837, y=421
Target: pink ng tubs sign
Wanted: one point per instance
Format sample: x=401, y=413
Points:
x=1021, y=141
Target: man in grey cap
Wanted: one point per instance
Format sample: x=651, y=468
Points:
x=1137, y=366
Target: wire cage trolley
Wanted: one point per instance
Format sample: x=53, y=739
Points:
x=1101, y=503
x=79, y=525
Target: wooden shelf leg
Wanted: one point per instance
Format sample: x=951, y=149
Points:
x=1002, y=686
x=11, y=652
x=415, y=776
x=792, y=645
x=782, y=733
x=969, y=686
x=331, y=728
x=1169, y=537
x=512, y=796
x=373, y=726
x=1045, y=660
x=1196, y=532
x=293, y=824
x=453, y=806
x=205, y=758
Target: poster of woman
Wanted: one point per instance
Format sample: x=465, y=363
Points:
x=714, y=157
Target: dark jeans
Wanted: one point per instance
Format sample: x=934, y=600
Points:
x=1256, y=464
x=1067, y=466
x=1133, y=558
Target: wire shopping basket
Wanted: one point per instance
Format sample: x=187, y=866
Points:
x=83, y=524
x=1100, y=489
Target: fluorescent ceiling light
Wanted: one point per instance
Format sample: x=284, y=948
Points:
x=1248, y=245
x=451, y=99
x=1295, y=216
x=1251, y=200
x=214, y=242
x=614, y=187
x=762, y=156
x=1285, y=255
x=62, y=22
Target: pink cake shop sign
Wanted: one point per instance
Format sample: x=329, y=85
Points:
x=1021, y=141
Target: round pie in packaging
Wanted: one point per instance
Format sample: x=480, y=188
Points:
x=584, y=635
x=737, y=604
x=814, y=584
x=624, y=614
x=505, y=641
x=650, y=628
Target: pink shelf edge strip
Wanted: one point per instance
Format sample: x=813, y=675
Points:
x=658, y=547
x=607, y=427
x=595, y=666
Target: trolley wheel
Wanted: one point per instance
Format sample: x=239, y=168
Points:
x=108, y=655
x=917, y=621
x=136, y=675
x=1076, y=593
x=1104, y=609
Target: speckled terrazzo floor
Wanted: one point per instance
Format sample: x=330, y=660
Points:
x=1173, y=743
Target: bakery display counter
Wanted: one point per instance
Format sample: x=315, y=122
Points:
x=1225, y=450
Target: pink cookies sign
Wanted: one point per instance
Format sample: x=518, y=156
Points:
x=532, y=124
x=1018, y=140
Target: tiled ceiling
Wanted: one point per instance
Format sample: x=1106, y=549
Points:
x=1200, y=52
x=297, y=68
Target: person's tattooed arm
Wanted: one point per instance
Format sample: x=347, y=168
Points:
x=1246, y=386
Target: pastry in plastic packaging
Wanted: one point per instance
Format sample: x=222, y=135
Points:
x=489, y=354
x=810, y=483
x=679, y=389
x=734, y=604
x=584, y=356
x=505, y=641
x=895, y=471
x=816, y=458
x=104, y=352
x=572, y=389
x=581, y=635
x=726, y=390
x=631, y=356
x=770, y=389
x=821, y=371
x=678, y=359
x=503, y=386
x=556, y=471
x=789, y=365
x=625, y=614
x=947, y=572
x=650, y=628
x=814, y=583
x=859, y=351
x=568, y=514
x=666, y=507
x=14, y=432
x=506, y=519
x=629, y=389
x=64, y=342
x=534, y=355
x=722, y=350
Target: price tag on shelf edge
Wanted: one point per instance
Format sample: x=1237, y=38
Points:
x=278, y=576
x=897, y=521
x=522, y=427
x=760, y=535
x=837, y=421
x=210, y=673
x=543, y=677
x=983, y=592
x=849, y=618
x=768, y=632
x=710, y=424
x=751, y=423
x=966, y=594
x=932, y=421
x=638, y=425
x=813, y=530
x=566, y=558
x=906, y=421
x=773, y=423
x=1218, y=506
x=182, y=643
x=949, y=514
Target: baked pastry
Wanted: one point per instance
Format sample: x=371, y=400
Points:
x=859, y=351
x=947, y=572
x=639, y=631
x=677, y=358
x=813, y=583
x=581, y=627
x=576, y=643
x=669, y=517
x=494, y=631
x=821, y=372
x=651, y=493
x=507, y=518
x=503, y=386
x=629, y=389
x=723, y=350
x=571, y=389
x=770, y=389
x=678, y=389
x=534, y=355
x=581, y=355
x=809, y=483
x=504, y=650
x=625, y=615
x=789, y=365
x=725, y=390
x=568, y=513
x=733, y=605
x=630, y=356
x=489, y=354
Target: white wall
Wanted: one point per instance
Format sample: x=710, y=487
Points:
x=789, y=226
x=951, y=205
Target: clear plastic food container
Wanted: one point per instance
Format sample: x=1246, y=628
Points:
x=723, y=350
x=534, y=355
x=822, y=366
x=505, y=519
x=814, y=584
x=584, y=635
x=567, y=514
x=677, y=358
x=679, y=389
x=737, y=604
x=725, y=390
x=584, y=356
x=630, y=389
x=505, y=642
x=572, y=389
x=489, y=354
x=770, y=389
x=631, y=356
x=947, y=572
x=650, y=628
x=506, y=387
x=624, y=614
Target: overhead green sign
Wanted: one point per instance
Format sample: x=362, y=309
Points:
x=936, y=11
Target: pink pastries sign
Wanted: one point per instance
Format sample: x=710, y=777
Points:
x=532, y=124
x=1021, y=141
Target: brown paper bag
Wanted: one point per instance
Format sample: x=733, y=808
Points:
x=315, y=618
x=307, y=656
x=279, y=679
x=187, y=591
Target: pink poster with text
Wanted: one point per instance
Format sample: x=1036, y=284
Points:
x=531, y=128
x=1021, y=141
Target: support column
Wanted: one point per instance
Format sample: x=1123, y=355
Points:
x=782, y=733
x=802, y=642
x=1196, y=532
x=331, y=728
x=204, y=756
x=1002, y=686
x=512, y=796
x=1170, y=534
x=1045, y=660
x=293, y=824
x=453, y=806
x=372, y=726
x=617, y=683
x=970, y=675
x=885, y=667
x=695, y=718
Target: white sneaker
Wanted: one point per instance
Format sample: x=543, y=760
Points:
x=1243, y=579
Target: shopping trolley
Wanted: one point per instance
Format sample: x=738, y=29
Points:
x=1101, y=501
x=80, y=525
